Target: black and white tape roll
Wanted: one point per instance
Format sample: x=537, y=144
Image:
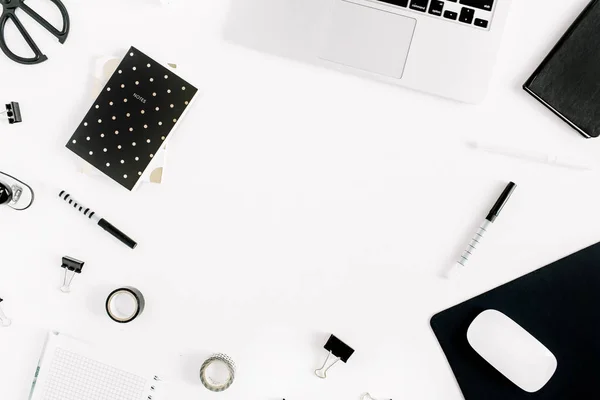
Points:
x=125, y=304
x=217, y=373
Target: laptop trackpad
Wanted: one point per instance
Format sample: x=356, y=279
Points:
x=369, y=39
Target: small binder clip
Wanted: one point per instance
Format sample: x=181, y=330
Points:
x=72, y=267
x=4, y=320
x=338, y=350
x=13, y=113
x=367, y=396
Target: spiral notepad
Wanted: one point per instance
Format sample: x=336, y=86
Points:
x=69, y=369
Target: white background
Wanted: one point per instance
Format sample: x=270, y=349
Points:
x=299, y=202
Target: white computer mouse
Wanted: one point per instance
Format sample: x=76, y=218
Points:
x=512, y=350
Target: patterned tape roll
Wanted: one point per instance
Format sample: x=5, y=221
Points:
x=210, y=376
x=125, y=304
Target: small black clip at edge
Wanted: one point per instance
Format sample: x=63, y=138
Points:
x=4, y=320
x=12, y=113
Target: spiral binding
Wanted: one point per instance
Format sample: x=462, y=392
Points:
x=153, y=387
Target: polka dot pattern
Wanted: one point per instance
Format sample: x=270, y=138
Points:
x=141, y=104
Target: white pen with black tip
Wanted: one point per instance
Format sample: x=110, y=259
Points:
x=486, y=224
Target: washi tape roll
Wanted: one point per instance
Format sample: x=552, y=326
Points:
x=217, y=373
x=125, y=304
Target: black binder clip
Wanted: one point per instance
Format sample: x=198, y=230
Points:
x=13, y=113
x=367, y=396
x=72, y=267
x=338, y=350
x=4, y=320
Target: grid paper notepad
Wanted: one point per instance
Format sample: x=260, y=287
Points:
x=70, y=370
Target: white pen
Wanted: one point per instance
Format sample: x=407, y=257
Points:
x=487, y=223
x=530, y=155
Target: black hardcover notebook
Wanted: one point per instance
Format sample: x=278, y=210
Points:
x=559, y=305
x=134, y=114
x=567, y=81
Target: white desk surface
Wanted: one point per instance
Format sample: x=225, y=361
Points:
x=299, y=202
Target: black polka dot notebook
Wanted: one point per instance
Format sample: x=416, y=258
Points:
x=133, y=116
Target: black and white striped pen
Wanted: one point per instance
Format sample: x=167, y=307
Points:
x=487, y=222
x=104, y=224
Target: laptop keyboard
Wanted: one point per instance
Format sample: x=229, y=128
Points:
x=476, y=13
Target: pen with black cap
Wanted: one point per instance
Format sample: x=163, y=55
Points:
x=487, y=222
x=102, y=223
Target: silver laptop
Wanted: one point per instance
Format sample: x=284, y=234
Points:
x=443, y=47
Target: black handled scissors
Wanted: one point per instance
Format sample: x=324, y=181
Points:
x=10, y=7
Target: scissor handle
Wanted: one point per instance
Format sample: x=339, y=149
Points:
x=9, y=14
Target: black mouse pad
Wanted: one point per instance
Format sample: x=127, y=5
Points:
x=559, y=305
